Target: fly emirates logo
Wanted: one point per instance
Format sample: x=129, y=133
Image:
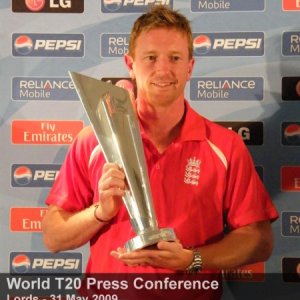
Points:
x=291, y=5
x=45, y=132
x=27, y=219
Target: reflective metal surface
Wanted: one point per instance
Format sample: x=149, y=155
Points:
x=115, y=124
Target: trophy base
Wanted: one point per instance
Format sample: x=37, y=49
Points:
x=150, y=238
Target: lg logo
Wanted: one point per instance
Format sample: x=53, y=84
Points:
x=38, y=5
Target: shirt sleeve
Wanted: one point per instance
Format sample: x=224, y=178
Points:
x=72, y=189
x=246, y=199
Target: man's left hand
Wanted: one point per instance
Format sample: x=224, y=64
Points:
x=168, y=255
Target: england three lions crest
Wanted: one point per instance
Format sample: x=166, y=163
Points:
x=192, y=171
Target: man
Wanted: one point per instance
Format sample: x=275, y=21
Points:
x=223, y=189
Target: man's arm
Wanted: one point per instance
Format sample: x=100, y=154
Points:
x=63, y=230
x=242, y=246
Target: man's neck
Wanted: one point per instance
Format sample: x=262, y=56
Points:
x=161, y=124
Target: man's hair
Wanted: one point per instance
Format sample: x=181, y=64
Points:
x=161, y=16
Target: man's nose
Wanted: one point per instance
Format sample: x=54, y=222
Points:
x=163, y=64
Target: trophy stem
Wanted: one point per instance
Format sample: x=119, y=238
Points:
x=150, y=238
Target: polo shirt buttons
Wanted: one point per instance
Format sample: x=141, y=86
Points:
x=157, y=166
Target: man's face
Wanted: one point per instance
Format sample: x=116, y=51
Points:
x=161, y=66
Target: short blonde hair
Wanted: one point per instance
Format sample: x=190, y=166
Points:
x=161, y=16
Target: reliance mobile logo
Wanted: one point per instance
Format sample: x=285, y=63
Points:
x=43, y=45
x=290, y=223
x=229, y=44
x=45, y=263
x=43, y=88
x=27, y=219
x=290, y=133
x=33, y=132
x=290, y=179
x=226, y=88
x=114, y=44
x=250, y=132
x=229, y=5
x=131, y=6
x=48, y=6
x=291, y=5
x=291, y=43
x=34, y=175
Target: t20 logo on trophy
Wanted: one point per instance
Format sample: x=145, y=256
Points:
x=115, y=124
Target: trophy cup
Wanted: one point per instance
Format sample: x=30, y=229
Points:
x=115, y=124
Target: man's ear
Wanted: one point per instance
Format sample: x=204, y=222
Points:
x=191, y=67
x=129, y=64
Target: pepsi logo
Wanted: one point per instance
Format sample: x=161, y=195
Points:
x=292, y=133
x=112, y=5
x=22, y=175
x=298, y=88
x=23, y=45
x=202, y=44
x=21, y=263
x=125, y=84
x=298, y=269
x=35, y=5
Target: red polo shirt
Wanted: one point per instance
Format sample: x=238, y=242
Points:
x=204, y=179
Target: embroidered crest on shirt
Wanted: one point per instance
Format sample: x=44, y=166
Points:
x=192, y=171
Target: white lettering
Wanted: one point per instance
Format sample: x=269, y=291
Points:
x=61, y=3
x=48, y=175
x=228, y=44
x=244, y=132
x=118, y=41
x=118, y=50
x=295, y=48
x=28, y=224
x=295, y=219
x=214, y=5
x=226, y=84
x=55, y=263
x=32, y=284
x=295, y=229
x=145, y=2
x=46, y=84
x=54, y=45
x=297, y=182
x=295, y=38
x=219, y=94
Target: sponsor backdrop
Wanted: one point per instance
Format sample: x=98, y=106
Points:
x=247, y=78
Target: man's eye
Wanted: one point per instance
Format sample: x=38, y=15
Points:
x=151, y=58
x=175, y=58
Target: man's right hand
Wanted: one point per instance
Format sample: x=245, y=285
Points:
x=111, y=188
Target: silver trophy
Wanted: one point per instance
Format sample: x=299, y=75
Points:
x=115, y=124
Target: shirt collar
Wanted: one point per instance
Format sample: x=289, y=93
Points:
x=193, y=127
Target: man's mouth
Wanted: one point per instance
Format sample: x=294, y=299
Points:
x=163, y=84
